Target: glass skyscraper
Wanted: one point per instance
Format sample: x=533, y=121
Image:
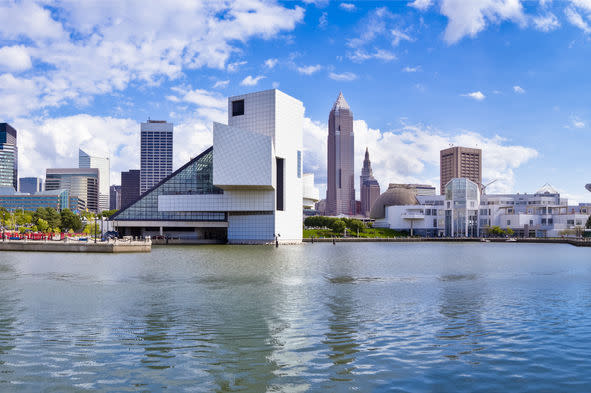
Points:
x=8, y=157
x=30, y=185
x=156, y=153
x=80, y=182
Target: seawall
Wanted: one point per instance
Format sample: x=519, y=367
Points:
x=574, y=242
x=74, y=246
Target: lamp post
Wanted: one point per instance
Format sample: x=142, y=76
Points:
x=95, y=229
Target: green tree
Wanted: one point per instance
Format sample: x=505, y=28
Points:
x=91, y=229
x=49, y=214
x=42, y=225
x=70, y=220
x=108, y=213
x=355, y=225
x=338, y=226
x=510, y=232
x=496, y=231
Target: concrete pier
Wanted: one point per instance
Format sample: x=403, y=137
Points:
x=116, y=246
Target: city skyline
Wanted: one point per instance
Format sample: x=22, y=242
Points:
x=424, y=76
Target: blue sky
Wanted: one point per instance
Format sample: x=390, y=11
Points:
x=510, y=77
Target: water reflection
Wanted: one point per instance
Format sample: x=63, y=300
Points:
x=462, y=303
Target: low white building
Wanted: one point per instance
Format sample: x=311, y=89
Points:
x=311, y=195
x=462, y=212
x=247, y=188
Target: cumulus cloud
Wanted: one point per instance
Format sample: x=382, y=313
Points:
x=470, y=20
x=577, y=20
x=518, y=90
x=477, y=95
x=417, y=154
x=421, y=4
x=309, y=70
x=251, y=81
x=90, y=49
x=348, y=7
x=576, y=122
x=271, y=63
x=221, y=84
x=14, y=58
x=344, y=77
x=546, y=22
x=360, y=55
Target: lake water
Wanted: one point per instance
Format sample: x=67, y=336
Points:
x=368, y=317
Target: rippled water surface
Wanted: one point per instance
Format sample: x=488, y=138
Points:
x=367, y=317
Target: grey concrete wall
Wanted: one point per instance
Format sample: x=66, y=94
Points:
x=59, y=246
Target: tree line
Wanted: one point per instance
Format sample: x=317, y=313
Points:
x=49, y=220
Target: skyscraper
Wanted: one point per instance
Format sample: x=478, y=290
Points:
x=460, y=161
x=80, y=182
x=156, y=153
x=8, y=157
x=30, y=185
x=115, y=198
x=340, y=191
x=86, y=160
x=130, y=187
x=370, y=188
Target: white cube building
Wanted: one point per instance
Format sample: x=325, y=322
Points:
x=246, y=189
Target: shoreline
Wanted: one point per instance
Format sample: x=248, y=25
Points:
x=111, y=247
x=573, y=242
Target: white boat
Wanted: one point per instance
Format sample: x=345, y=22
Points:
x=485, y=240
x=512, y=239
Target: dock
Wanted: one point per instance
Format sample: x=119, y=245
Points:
x=111, y=246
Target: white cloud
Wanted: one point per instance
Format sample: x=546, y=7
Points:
x=89, y=48
x=518, y=90
x=233, y=67
x=271, y=63
x=577, y=20
x=469, y=20
x=14, y=58
x=348, y=7
x=417, y=154
x=400, y=36
x=584, y=4
x=251, y=81
x=576, y=122
x=221, y=84
x=211, y=106
x=323, y=20
x=344, y=77
x=411, y=69
x=360, y=55
x=309, y=70
x=422, y=5
x=547, y=22
x=477, y=95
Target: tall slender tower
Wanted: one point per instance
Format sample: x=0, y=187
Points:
x=8, y=157
x=156, y=154
x=370, y=188
x=340, y=191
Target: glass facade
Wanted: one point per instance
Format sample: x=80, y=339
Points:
x=8, y=157
x=462, y=202
x=58, y=200
x=80, y=182
x=195, y=178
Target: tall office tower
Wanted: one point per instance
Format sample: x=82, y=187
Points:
x=115, y=198
x=340, y=192
x=156, y=153
x=30, y=185
x=8, y=157
x=86, y=160
x=80, y=182
x=370, y=188
x=130, y=187
x=458, y=162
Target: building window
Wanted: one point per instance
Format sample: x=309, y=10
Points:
x=550, y=221
x=238, y=108
x=299, y=164
x=279, y=162
x=508, y=222
x=543, y=221
x=434, y=223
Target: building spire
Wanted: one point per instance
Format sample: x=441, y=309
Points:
x=340, y=103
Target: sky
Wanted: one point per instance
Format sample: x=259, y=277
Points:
x=510, y=77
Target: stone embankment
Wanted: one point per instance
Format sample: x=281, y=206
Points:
x=112, y=246
x=572, y=241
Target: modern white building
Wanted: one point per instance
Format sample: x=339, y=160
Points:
x=247, y=188
x=86, y=160
x=462, y=212
x=156, y=153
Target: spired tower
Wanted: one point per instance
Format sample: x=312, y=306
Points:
x=340, y=191
x=370, y=188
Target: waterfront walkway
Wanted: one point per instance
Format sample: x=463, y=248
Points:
x=554, y=240
x=111, y=246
